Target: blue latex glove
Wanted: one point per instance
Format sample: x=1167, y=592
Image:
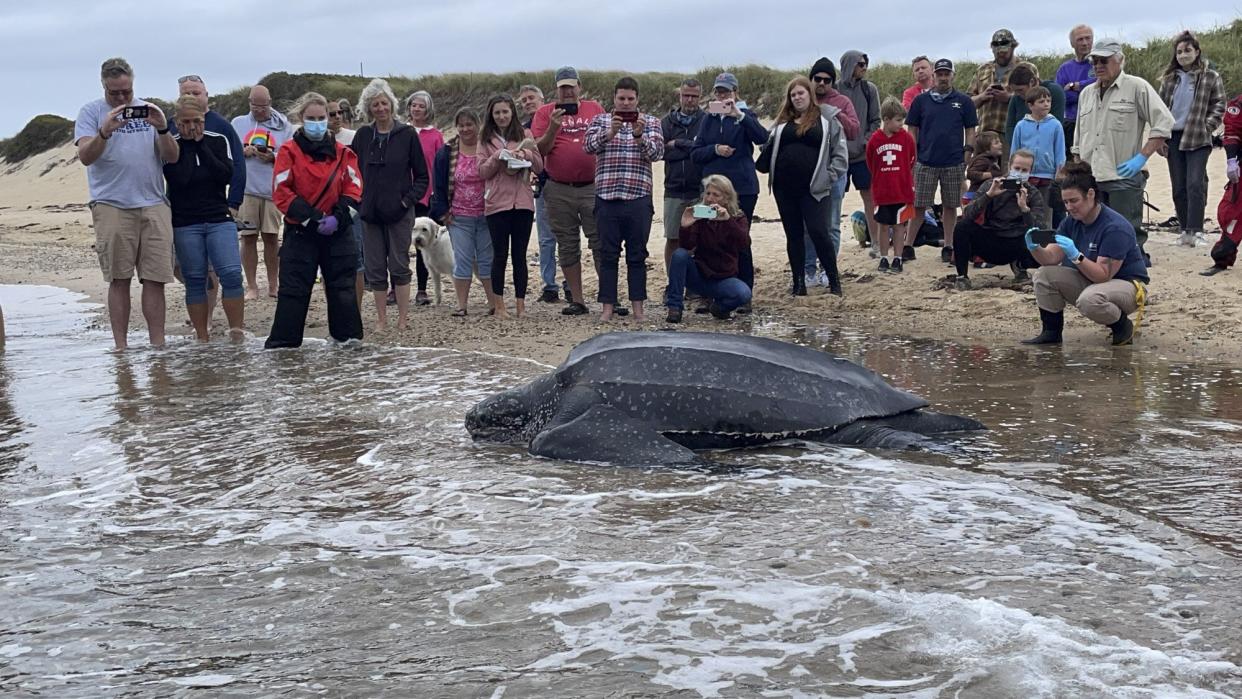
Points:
x=1071, y=250
x=327, y=225
x=1133, y=166
x=1030, y=244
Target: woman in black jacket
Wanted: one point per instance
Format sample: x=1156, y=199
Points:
x=394, y=176
x=203, y=230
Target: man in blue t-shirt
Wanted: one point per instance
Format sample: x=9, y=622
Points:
x=124, y=143
x=1094, y=264
x=942, y=121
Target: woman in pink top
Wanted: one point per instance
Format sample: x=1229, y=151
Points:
x=507, y=157
x=421, y=111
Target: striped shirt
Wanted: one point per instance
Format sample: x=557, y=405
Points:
x=623, y=164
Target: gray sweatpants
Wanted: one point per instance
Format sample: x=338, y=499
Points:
x=1105, y=303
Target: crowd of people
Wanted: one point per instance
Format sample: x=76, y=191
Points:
x=1048, y=175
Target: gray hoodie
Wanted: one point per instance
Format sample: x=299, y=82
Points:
x=866, y=99
x=832, y=162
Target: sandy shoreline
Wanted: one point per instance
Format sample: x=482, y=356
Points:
x=46, y=238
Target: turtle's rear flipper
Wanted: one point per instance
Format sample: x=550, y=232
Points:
x=603, y=433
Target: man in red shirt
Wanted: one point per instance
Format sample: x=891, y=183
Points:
x=569, y=195
x=922, y=69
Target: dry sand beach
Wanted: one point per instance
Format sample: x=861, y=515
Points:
x=46, y=238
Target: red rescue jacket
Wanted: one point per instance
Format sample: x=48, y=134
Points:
x=302, y=169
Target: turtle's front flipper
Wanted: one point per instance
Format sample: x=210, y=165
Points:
x=876, y=435
x=603, y=433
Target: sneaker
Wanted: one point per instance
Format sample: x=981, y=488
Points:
x=717, y=312
x=907, y=253
x=743, y=309
x=1186, y=240
x=620, y=310
x=946, y=255
x=895, y=267
x=821, y=279
x=674, y=315
x=574, y=309
x=421, y=299
x=1199, y=239
x=1019, y=274
x=883, y=264
x=549, y=296
x=873, y=253
x=702, y=306
x=962, y=283
x=811, y=280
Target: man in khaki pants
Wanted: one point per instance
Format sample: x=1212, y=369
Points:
x=124, y=143
x=1095, y=263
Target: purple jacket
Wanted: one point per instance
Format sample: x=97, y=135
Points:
x=1074, y=71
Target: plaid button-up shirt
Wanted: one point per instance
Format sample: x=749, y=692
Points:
x=622, y=163
x=1206, y=109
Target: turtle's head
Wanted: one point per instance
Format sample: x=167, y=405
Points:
x=510, y=417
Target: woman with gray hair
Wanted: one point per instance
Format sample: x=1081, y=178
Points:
x=421, y=110
x=394, y=179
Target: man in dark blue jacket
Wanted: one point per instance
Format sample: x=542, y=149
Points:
x=725, y=145
x=681, y=174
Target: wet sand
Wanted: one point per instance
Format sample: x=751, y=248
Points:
x=46, y=238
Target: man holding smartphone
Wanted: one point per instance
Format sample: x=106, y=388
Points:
x=124, y=161
x=987, y=89
x=569, y=194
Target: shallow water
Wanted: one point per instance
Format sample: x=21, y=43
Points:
x=226, y=521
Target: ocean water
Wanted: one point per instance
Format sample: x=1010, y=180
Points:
x=224, y=521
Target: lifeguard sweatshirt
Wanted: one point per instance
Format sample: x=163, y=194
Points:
x=891, y=162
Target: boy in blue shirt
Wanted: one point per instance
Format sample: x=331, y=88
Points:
x=1042, y=134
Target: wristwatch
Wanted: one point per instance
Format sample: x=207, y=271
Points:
x=162, y=131
x=1078, y=260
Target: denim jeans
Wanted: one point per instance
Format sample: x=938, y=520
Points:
x=203, y=242
x=547, y=246
x=729, y=293
x=834, y=222
x=472, y=247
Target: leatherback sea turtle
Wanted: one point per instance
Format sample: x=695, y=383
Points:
x=643, y=398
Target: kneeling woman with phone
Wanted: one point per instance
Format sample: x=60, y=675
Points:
x=316, y=185
x=1092, y=261
x=713, y=236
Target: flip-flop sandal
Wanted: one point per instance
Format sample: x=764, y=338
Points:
x=459, y=313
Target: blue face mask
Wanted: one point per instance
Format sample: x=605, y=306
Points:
x=315, y=130
x=1019, y=176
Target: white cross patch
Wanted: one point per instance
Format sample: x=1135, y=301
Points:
x=889, y=158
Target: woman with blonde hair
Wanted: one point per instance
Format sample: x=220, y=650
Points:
x=713, y=236
x=804, y=157
x=394, y=176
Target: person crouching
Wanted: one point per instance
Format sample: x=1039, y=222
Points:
x=707, y=260
x=316, y=184
x=1095, y=264
x=993, y=223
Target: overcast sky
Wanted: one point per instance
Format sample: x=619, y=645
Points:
x=52, y=50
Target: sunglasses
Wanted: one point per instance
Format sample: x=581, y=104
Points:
x=822, y=81
x=1099, y=60
x=334, y=114
x=999, y=44
x=189, y=79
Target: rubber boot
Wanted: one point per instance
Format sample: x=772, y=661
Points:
x=1123, y=331
x=1053, y=324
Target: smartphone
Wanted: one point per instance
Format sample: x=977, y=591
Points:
x=1044, y=237
x=996, y=86
x=717, y=107
x=1011, y=185
x=140, y=111
x=570, y=108
x=627, y=117
x=704, y=211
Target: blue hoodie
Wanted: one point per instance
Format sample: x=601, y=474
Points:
x=1044, y=138
x=743, y=135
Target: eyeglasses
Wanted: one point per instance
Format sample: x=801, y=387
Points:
x=999, y=44
x=189, y=79
x=822, y=80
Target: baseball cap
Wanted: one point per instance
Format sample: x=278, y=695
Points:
x=566, y=75
x=943, y=64
x=726, y=80
x=1003, y=36
x=1106, y=47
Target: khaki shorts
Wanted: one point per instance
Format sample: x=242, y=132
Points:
x=129, y=240
x=673, y=209
x=568, y=208
x=260, y=215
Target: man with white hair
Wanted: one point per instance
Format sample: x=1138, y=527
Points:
x=1074, y=76
x=264, y=130
x=124, y=143
x=1122, y=121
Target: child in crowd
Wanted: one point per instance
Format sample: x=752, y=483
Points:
x=1041, y=133
x=985, y=165
x=890, y=158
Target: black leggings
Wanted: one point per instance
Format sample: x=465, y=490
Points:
x=802, y=213
x=970, y=240
x=514, y=225
x=745, y=259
